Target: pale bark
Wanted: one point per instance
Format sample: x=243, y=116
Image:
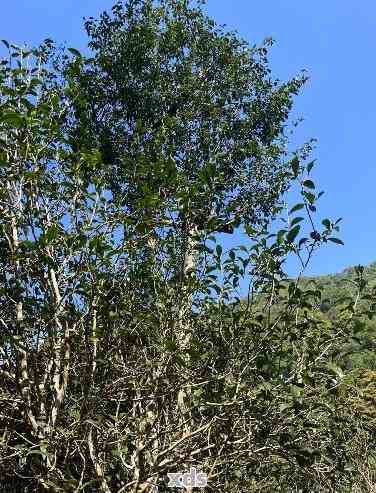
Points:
x=96, y=462
x=184, y=400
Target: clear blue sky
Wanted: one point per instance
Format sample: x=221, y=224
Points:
x=334, y=40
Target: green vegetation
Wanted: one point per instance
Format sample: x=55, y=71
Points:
x=339, y=293
x=126, y=351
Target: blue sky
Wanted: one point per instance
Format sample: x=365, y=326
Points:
x=335, y=41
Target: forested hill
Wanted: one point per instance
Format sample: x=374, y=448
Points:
x=337, y=288
x=339, y=279
x=340, y=290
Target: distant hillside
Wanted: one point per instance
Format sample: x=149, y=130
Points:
x=349, y=273
x=337, y=287
x=337, y=291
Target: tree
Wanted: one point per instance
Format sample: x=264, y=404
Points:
x=126, y=353
x=184, y=112
x=186, y=116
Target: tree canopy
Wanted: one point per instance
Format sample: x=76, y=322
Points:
x=192, y=104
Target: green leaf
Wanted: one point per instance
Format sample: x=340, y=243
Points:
x=171, y=345
x=326, y=223
x=75, y=52
x=281, y=233
x=297, y=207
x=14, y=119
x=292, y=234
x=309, y=184
x=36, y=452
x=35, y=82
x=295, y=166
x=5, y=43
x=336, y=240
x=285, y=406
x=310, y=166
x=218, y=249
x=336, y=369
x=309, y=196
x=296, y=220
